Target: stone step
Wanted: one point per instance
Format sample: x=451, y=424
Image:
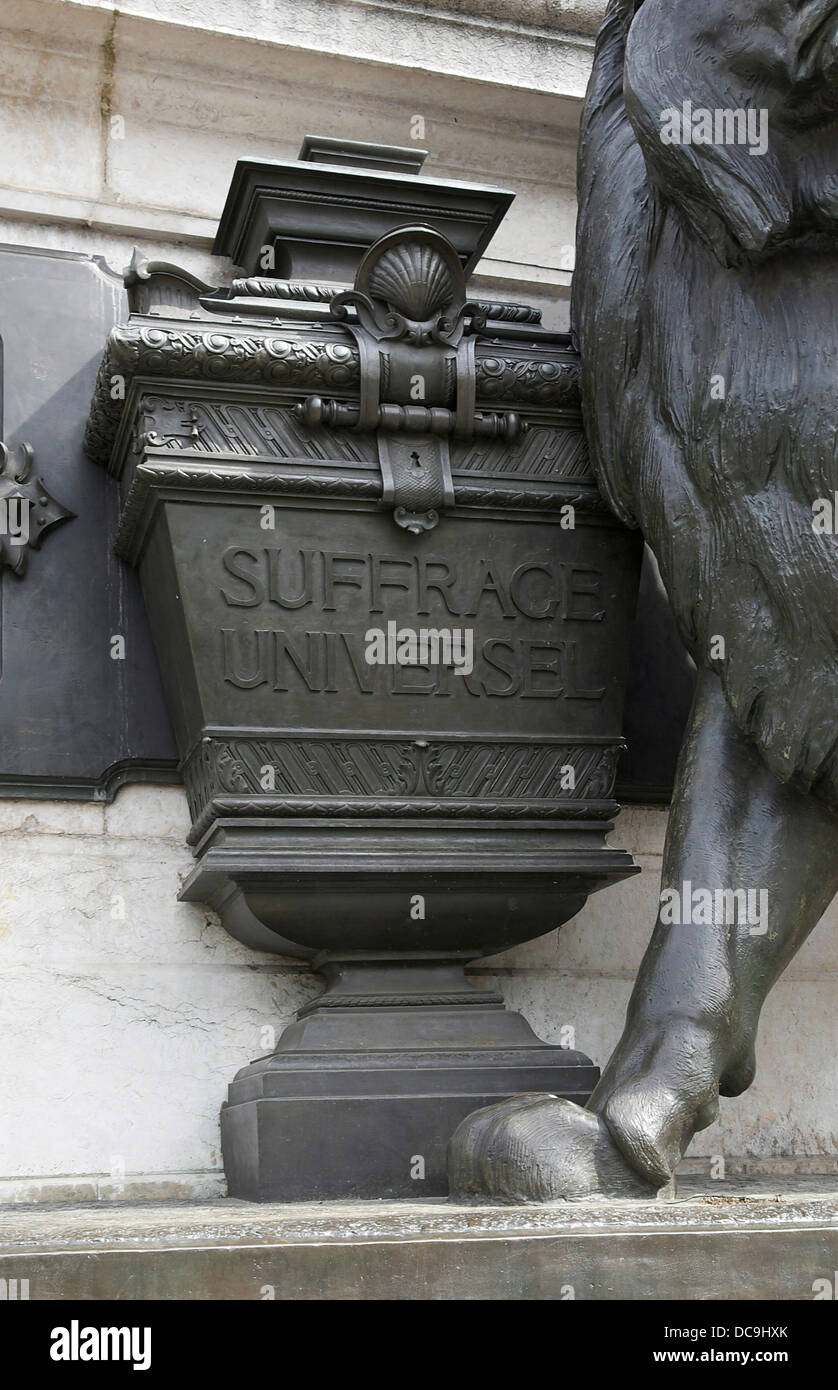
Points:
x=740, y=1239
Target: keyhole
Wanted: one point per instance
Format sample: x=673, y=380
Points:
x=414, y=459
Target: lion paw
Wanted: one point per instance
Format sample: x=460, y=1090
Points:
x=538, y=1148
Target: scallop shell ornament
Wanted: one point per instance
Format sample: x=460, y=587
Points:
x=413, y=279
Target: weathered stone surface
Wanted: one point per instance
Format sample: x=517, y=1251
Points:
x=748, y=1244
x=111, y=995
x=157, y=812
x=116, y=87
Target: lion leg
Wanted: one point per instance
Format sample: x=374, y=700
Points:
x=692, y=1019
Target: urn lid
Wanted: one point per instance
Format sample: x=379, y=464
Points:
x=314, y=217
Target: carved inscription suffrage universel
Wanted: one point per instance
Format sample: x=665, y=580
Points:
x=352, y=586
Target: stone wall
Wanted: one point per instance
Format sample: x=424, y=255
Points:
x=125, y=1013
x=129, y=122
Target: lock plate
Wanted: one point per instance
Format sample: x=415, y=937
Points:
x=416, y=477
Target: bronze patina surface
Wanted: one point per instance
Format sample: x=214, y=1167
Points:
x=302, y=468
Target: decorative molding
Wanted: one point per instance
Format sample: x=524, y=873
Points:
x=405, y=210
x=162, y=421
x=320, y=216
x=326, y=807
x=543, y=452
x=529, y=379
x=249, y=430
x=261, y=287
x=200, y=476
x=293, y=360
x=508, y=313
x=256, y=358
x=357, y=487
x=588, y=503
x=153, y=286
x=263, y=359
x=348, y=776
x=180, y=424
x=104, y=788
x=461, y=998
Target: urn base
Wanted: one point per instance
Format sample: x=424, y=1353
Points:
x=365, y=1089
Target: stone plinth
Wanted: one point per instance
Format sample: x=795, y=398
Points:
x=731, y=1240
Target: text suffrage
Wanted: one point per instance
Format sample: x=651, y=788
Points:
x=311, y=608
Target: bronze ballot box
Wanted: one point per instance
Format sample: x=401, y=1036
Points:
x=393, y=618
